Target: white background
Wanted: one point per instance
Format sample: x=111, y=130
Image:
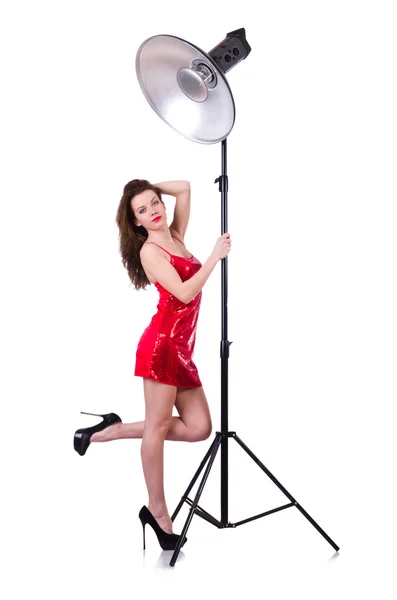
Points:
x=312, y=299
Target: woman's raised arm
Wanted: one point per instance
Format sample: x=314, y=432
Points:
x=181, y=191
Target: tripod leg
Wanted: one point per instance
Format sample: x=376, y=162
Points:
x=215, y=447
x=193, y=481
x=282, y=488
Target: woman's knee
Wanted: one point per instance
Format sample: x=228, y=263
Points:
x=201, y=432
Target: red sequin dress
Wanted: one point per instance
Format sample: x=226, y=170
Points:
x=166, y=347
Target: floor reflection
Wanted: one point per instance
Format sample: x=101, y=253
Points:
x=163, y=561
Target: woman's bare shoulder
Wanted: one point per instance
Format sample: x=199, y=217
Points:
x=149, y=248
x=150, y=254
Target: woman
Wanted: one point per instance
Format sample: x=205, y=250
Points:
x=154, y=252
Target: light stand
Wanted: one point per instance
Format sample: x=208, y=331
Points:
x=194, y=76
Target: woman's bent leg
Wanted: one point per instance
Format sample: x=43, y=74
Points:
x=193, y=424
x=122, y=431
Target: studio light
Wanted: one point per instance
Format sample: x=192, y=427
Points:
x=177, y=78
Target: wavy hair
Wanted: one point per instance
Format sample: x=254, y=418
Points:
x=131, y=236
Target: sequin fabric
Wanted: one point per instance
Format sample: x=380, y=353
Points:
x=166, y=347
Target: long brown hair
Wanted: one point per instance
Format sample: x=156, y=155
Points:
x=131, y=236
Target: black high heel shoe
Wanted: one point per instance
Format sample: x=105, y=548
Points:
x=167, y=541
x=82, y=436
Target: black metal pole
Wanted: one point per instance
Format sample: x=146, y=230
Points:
x=224, y=349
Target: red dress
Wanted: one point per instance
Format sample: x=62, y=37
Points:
x=166, y=347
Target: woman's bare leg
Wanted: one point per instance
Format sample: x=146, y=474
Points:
x=194, y=413
x=192, y=425
x=122, y=431
x=159, y=402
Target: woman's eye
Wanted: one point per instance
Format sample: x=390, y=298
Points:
x=155, y=202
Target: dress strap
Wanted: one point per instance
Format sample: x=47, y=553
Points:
x=159, y=247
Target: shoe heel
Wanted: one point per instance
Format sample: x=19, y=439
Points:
x=143, y=527
x=93, y=414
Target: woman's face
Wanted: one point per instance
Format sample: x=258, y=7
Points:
x=146, y=207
